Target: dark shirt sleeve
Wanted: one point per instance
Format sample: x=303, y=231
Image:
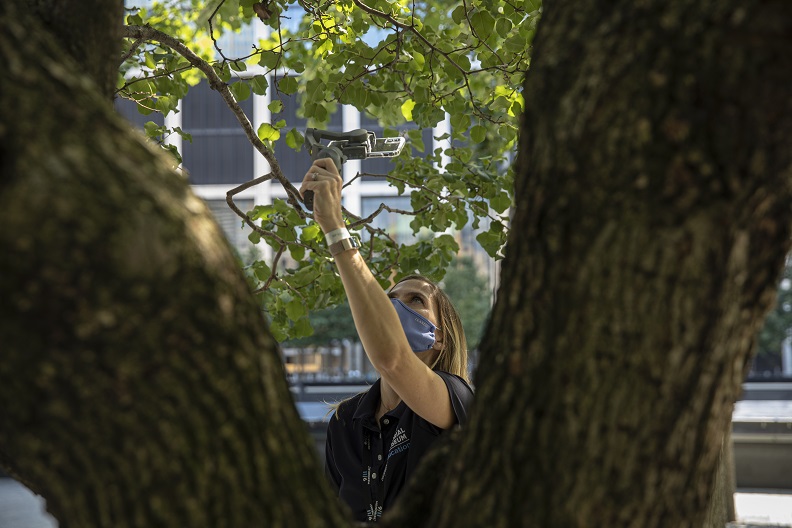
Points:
x=461, y=395
x=331, y=470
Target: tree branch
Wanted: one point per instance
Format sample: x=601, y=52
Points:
x=217, y=84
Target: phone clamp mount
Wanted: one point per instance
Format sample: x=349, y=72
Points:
x=355, y=144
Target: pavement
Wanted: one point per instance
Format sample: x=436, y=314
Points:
x=763, y=507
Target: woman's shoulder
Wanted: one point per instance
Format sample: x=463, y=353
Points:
x=461, y=394
x=455, y=382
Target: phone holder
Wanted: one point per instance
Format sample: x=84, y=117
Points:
x=343, y=146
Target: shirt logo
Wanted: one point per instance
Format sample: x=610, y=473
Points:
x=400, y=442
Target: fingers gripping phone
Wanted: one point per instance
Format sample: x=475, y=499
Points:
x=343, y=146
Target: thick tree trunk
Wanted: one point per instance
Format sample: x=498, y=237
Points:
x=654, y=204
x=139, y=384
x=139, y=387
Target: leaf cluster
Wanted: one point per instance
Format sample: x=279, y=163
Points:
x=410, y=65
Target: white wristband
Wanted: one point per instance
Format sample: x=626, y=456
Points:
x=337, y=235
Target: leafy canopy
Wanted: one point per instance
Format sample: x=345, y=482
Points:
x=410, y=65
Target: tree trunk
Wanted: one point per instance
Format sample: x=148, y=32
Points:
x=90, y=32
x=139, y=384
x=654, y=203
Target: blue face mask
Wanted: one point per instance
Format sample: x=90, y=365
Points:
x=419, y=330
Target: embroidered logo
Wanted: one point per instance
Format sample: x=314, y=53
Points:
x=367, y=475
x=399, y=444
x=399, y=438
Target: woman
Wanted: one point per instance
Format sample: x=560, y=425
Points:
x=414, y=338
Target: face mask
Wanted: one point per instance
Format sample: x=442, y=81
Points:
x=419, y=330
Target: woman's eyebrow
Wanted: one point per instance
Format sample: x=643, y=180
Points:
x=391, y=294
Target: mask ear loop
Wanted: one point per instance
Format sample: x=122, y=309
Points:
x=440, y=349
x=440, y=343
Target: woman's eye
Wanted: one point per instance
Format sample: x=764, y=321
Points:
x=418, y=299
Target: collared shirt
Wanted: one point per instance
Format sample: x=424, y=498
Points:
x=369, y=464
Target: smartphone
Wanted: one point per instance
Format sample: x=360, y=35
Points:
x=387, y=147
x=372, y=148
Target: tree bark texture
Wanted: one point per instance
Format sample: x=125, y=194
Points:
x=653, y=213
x=140, y=386
x=89, y=31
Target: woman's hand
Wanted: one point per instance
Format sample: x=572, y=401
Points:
x=325, y=182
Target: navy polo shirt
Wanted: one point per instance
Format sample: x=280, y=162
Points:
x=370, y=464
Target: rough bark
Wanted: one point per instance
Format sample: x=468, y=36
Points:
x=654, y=204
x=89, y=31
x=139, y=384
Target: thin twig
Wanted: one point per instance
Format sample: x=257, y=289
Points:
x=211, y=30
x=132, y=48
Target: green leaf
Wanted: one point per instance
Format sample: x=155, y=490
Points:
x=238, y=66
x=276, y=106
x=267, y=132
x=419, y=60
x=302, y=328
x=310, y=233
x=269, y=60
x=501, y=202
x=320, y=113
x=261, y=270
x=262, y=212
x=482, y=23
x=134, y=20
x=223, y=71
x=297, y=252
x=491, y=242
x=152, y=129
x=259, y=84
x=416, y=139
x=294, y=139
x=507, y=132
x=458, y=15
x=503, y=26
x=478, y=134
x=240, y=89
x=407, y=109
x=459, y=123
x=288, y=85
x=278, y=331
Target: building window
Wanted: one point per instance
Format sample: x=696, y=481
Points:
x=235, y=231
x=219, y=152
